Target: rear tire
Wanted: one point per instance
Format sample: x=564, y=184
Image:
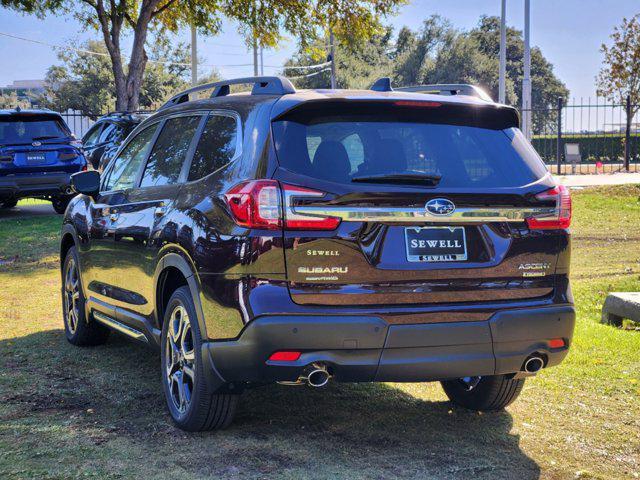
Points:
x=78, y=329
x=192, y=406
x=483, y=393
x=8, y=203
x=60, y=204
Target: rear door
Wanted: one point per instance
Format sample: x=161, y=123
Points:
x=431, y=200
x=143, y=221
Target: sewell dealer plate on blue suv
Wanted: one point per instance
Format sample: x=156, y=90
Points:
x=436, y=244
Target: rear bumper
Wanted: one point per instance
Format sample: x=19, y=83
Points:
x=24, y=185
x=366, y=348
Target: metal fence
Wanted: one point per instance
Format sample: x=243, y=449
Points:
x=588, y=137
x=579, y=137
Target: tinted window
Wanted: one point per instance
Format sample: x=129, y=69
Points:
x=126, y=166
x=92, y=135
x=25, y=129
x=108, y=133
x=170, y=151
x=216, y=147
x=340, y=149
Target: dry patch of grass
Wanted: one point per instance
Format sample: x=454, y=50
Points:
x=67, y=412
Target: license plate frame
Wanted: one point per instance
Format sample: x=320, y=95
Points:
x=439, y=253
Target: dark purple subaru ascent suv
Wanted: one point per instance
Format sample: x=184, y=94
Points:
x=313, y=236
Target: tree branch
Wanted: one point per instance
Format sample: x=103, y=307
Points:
x=162, y=8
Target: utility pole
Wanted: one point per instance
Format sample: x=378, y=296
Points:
x=332, y=49
x=503, y=54
x=194, y=54
x=261, y=62
x=526, y=81
x=255, y=56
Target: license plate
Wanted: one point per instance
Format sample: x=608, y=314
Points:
x=36, y=158
x=436, y=244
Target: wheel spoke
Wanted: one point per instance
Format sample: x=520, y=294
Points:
x=189, y=372
x=180, y=355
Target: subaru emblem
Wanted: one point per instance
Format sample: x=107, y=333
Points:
x=36, y=144
x=440, y=206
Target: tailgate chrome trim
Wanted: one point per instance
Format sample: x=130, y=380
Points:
x=405, y=215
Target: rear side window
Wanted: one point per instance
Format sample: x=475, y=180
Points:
x=338, y=149
x=216, y=147
x=91, y=136
x=108, y=133
x=23, y=129
x=126, y=166
x=170, y=151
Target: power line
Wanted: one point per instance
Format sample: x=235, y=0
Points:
x=164, y=62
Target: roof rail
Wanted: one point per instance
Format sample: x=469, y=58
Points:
x=274, y=85
x=449, y=89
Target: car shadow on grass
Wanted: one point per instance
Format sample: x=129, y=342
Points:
x=110, y=398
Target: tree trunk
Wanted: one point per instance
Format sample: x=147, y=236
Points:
x=138, y=60
x=127, y=86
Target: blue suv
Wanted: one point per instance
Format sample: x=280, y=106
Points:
x=38, y=154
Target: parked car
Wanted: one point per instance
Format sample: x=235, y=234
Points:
x=323, y=235
x=38, y=154
x=103, y=139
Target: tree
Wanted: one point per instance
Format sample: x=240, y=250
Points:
x=620, y=75
x=112, y=17
x=358, y=64
x=441, y=54
x=84, y=81
x=265, y=19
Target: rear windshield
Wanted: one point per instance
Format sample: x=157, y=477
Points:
x=340, y=149
x=16, y=129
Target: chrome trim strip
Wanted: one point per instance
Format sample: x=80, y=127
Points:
x=120, y=327
x=404, y=215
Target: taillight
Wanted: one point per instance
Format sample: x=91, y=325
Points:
x=257, y=204
x=67, y=156
x=295, y=221
x=562, y=215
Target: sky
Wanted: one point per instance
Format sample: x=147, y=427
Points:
x=569, y=32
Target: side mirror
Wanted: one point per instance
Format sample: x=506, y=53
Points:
x=87, y=183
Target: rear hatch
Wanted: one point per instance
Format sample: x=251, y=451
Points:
x=31, y=142
x=409, y=202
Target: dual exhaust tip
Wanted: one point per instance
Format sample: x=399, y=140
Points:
x=316, y=375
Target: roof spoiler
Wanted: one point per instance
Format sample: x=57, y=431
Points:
x=384, y=85
x=274, y=85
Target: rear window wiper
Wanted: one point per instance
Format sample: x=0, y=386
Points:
x=400, y=178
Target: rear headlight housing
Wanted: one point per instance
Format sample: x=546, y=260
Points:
x=562, y=215
x=258, y=204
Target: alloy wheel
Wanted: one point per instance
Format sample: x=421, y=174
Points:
x=72, y=296
x=179, y=359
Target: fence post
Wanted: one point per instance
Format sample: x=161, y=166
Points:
x=559, y=136
x=627, y=137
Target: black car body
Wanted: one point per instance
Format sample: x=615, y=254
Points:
x=354, y=235
x=102, y=140
x=38, y=155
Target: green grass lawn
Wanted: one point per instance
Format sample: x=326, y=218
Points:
x=68, y=412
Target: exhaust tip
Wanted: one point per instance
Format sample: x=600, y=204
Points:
x=318, y=377
x=533, y=364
